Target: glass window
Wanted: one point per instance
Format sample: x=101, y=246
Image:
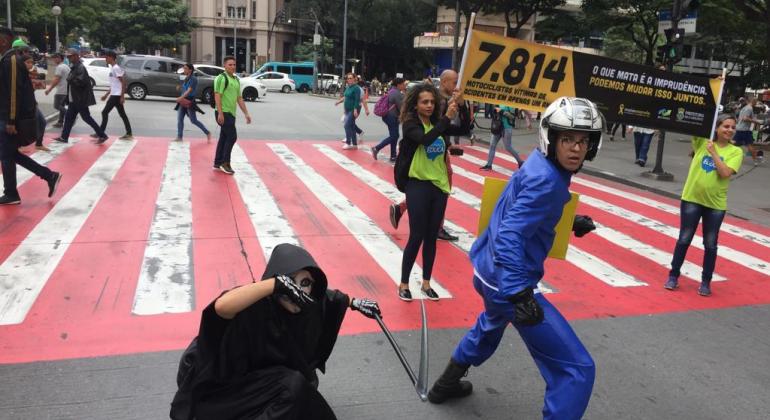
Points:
x=302, y=70
x=241, y=12
x=284, y=69
x=155, y=65
x=230, y=12
x=253, y=10
x=211, y=71
x=98, y=63
x=276, y=76
x=174, y=67
x=133, y=64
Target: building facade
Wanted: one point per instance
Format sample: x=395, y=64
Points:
x=255, y=28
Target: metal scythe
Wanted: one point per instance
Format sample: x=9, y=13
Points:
x=420, y=381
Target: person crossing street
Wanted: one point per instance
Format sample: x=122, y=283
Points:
x=116, y=95
x=227, y=93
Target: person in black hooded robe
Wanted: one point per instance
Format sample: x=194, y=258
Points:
x=259, y=345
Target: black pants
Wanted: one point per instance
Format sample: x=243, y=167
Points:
x=276, y=393
x=73, y=110
x=426, y=205
x=114, y=102
x=10, y=157
x=227, y=138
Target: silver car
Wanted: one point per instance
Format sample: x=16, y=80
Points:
x=153, y=75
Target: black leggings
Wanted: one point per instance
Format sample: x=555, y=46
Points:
x=114, y=102
x=426, y=205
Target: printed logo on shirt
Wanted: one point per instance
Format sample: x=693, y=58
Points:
x=707, y=163
x=435, y=149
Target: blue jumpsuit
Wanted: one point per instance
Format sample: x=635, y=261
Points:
x=507, y=258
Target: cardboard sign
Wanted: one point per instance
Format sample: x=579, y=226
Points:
x=493, y=187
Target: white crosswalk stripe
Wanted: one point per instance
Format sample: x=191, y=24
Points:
x=166, y=280
x=24, y=273
x=382, y=249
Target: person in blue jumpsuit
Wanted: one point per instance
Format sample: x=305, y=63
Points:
x=508, y=262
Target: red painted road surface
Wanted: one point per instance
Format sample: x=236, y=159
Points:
x=85, y=306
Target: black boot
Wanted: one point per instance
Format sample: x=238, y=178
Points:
x=449, y=384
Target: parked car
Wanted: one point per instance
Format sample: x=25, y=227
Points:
x=98, y=70
x=274, y=80
x=329, y=83
x=251, y=90
x=153, y=75
x=413, y=83
x=300, y=72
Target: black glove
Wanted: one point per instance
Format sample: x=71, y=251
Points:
x=367, y=307
x=528, y=312
x=582, y=225
x=285, y=286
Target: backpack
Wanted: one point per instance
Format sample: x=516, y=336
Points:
x=406, y=150
x=497, y=124
x=213, y=102
x=381, y=108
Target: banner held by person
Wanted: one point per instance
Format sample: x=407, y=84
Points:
x=501, y=70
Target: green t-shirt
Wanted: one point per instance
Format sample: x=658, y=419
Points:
x=704, y=185
x=229, y=95
x=428, y=163
x=352, y=98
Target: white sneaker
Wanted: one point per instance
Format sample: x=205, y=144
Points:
x=344, y=140
x=349, y=147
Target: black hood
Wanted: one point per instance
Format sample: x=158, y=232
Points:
x=288, y=259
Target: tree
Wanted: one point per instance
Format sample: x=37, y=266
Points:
x=146, y=25
x=638, y=18
x=518, y=12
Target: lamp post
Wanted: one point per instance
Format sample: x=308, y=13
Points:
x=344, y=38
x=56, y=11
x=8, y=10
x=281, y=14
x=316, y=44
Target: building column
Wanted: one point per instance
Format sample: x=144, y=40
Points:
x=248, y=55
x=224, y=50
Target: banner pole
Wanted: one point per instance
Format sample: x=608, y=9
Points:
x=466, y=43
x=719, y=100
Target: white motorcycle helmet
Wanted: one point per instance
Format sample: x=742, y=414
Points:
x=577, y=114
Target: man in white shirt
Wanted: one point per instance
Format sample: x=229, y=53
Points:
x=60, y=83
x=116, y=94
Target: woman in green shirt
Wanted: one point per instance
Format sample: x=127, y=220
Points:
x=427, y=188
x=705, y=196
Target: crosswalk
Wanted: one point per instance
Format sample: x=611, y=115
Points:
x=142, y=235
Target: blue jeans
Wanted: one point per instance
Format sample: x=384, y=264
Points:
x=10, y=157
x=392, y=122
x=227, y=137
x=690, y=215
x=506, y=136
x=350, y=128
x=72, y=113
x=563, y=361
x=190, y=112
x=642, y=145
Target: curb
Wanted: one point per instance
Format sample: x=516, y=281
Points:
x=372, y=99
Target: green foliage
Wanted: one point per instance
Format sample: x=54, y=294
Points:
x=304, y=52
x=518, y=12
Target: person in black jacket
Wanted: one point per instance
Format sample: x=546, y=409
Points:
x=17, y=103
x=80, y=95
x=428, y=185
x=259, y=345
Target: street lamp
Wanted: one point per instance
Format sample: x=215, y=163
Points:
x=281, y=14
x=56, y=11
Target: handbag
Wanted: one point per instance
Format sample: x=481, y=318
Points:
x=26, y=132
x=185, y=103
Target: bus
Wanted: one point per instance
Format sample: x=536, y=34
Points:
x=300, y=72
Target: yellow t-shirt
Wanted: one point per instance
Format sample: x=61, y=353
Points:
x=704, y=185
x=429, y=164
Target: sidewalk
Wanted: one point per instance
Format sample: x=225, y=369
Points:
x=748, y=196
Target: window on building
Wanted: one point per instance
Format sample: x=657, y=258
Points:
x=241, y=12
x=230, y=12
x=253, y=10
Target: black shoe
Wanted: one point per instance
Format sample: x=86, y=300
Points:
x=229, y=168
x=449, y=385
x=94, y=136
x=53, y=183
x=393, y=160
x=430, y=293
x=705, y=288
x=57, y=125
x=226, y=169
x=374, y=152
x=446, y=236
x=404, y=294
x=395, y=215
x=61, y=140
x=102, y=139
x=6, y=200
x=642, y=163
x=486, y=168
x=672, y=283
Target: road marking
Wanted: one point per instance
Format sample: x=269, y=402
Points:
x=166, y=283
x=376, y=242
x=270, y=224
x=746, y=234
x=57, y=148
x=25, y=272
